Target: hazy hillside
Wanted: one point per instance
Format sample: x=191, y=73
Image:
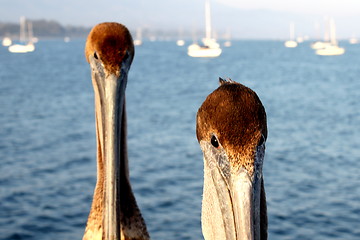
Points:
x=44, y=29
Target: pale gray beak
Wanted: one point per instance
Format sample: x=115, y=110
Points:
x=231, y=196
x=109, y=91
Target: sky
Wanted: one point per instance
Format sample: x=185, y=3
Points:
x=321, y=7
x=243, y=18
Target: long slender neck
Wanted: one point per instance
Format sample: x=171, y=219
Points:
x=93, y=229
x=132, y=224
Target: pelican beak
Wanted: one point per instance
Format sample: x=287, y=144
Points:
x=231, y=198
x=109, y=91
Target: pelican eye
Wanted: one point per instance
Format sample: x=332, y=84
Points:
x=214, y=141
x=96, y=56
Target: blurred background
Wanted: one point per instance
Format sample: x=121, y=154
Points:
x=160, y=18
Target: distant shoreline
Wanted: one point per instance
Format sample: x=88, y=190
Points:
x=44, y=29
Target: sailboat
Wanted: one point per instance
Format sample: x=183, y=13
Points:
x=326, y=42
x=291, y=43
x=23, y=48
x=210, y=47
x=353, y=40
x=180, y=42
x=6, y=41
x=332, y=48
x=138, y=39
x=227, y=43
x=321, y=44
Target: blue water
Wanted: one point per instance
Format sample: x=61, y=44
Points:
x=47, y=138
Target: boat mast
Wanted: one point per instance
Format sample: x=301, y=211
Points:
x=30, y=29
x=292, y=31
x=327, y=29
x=332, y=32
x=207, y=20
x=22, y=29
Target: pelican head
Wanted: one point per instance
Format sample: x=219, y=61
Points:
x=114, y=213
x=231, y=129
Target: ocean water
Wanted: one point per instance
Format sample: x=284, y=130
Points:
x=47, y=138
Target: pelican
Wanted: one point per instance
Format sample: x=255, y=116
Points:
x=114, y=212
x=231, y=130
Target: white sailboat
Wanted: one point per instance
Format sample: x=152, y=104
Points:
x=29, y=46
x=321, y=44
x=291, y=43
x=332, y=48
x=138, y=39
x=209, y=48
x=180, y=42
x=227, y=43
x=353, y=40
x=6, y=41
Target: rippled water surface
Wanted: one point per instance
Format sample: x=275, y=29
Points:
x=47, y=138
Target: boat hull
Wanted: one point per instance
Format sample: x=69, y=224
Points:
x=18, y=48
x=290, y=44
x=6, y=42
x=194, y=50
x=330, y=51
